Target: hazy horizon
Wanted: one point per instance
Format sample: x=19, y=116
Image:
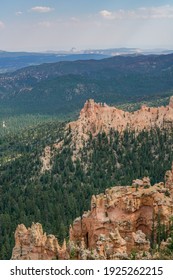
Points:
x=78, y=51
x=39, y=26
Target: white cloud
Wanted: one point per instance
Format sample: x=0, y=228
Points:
x=106, y=14
x=160, y=12
x=2, y=25
x=19, y=13
x=42, y=9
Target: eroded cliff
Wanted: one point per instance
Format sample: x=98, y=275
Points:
x=122, y=220
x=98, y=117
x=34, y=244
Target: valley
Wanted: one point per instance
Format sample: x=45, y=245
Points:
x=62, y=88
x=74, y=131
x=86, y=135
x=55, y=197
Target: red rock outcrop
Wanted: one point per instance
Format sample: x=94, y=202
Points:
x=169, y=180
x=124, y=217
x=46, y=159
x=121, y=221
x=99, y=117
x=171, y=102
x=33, y=244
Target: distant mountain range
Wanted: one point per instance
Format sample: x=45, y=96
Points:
x=62, y=87
x=11, y=61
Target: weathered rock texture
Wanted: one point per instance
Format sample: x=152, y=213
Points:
x=33, y=244
x=122, y=219
x=48, y=155
x=46, y=159
x=99, y=117
x=169, y=180
x=120, y=222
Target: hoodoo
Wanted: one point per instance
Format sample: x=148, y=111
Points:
x=98, y=117
x=33, y=244
x=122, y=220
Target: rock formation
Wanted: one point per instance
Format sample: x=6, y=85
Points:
x=171, y=102
x=121, y=221
x=46, y=159
x=33, y=244
x=99, y=117
x=47, y=156
x=169, y=180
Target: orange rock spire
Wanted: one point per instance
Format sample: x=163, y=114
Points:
x=120, y=221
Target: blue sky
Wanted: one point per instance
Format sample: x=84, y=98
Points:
x=37, y=25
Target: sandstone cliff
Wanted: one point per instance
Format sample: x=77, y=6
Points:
x=33, y=244
x=99, y=117
x=121, y=221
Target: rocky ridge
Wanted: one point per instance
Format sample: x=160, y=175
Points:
x=121, y=221
x=99, y=117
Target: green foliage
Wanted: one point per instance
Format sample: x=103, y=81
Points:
x=170, y=245
x=146, y=187
x=16, y=124
x=72, y=253
x=159, y=233
x=62, y=88
x=167, y=193
x=56, y=197
x=133, y=254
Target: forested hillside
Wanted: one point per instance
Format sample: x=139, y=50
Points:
x=12, y=61
x=51, y=91
x=56, y=197
x=61, y=88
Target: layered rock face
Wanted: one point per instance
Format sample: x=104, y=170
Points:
x=121, y=221
x=33, y=244
x=99, y=117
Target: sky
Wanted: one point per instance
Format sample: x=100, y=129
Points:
x=56, y=25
